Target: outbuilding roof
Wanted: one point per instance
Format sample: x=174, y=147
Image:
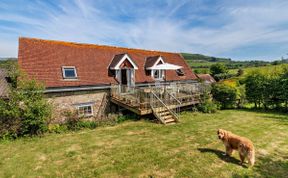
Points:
x=207, y=78
x=43, y=61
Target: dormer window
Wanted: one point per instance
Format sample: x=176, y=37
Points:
x=69, y=72
x=180, y=72
x=158, y=74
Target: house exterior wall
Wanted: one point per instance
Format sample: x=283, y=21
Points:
x=62, y=104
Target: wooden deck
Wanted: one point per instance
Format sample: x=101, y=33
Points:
x=142, y=106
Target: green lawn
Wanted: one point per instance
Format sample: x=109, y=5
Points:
x=143, y=149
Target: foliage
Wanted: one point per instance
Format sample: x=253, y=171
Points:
x=225, y=95
x=57, y=128
x=26, y=112
x=223, y=76
x=207, y=105
x=267, y=89
x=72, y=119
x=218, y=68
x=198, y=61
x=126, y=117
x=240, y=72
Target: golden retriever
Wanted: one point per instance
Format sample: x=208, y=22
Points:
x=234, y=142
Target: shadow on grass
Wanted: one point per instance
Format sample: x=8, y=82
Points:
x=221, y=155
x=267, y=167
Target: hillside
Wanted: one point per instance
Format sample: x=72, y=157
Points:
x=201, y=63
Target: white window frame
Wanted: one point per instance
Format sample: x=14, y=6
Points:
x=160, y=72
x=69, y=67
x=85, y=105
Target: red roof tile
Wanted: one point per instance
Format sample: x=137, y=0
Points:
x=43, y=59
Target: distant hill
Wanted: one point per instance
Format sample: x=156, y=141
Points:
x=201, y=57
x=201, y=63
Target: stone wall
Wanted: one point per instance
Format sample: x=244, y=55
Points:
x=70, y=102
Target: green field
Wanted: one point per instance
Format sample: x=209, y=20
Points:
x=145, y=149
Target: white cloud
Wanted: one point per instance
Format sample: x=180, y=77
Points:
x=231, y=27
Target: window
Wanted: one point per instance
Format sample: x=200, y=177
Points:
x=180, y=72
x=85, y=110
x=69, y=72
x=158, y=74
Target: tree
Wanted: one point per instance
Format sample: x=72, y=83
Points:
x=218, y=68
x=240, y=72
x=225, y=95
x=26, y=112
x=254, y=86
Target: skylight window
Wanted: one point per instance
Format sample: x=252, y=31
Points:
x=69, y=72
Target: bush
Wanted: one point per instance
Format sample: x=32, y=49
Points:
x=57, y=128
x=218, y=68
x=223, y=76
x=225, y=95
x=26, y=112
x=207, y=105
x=240, y=72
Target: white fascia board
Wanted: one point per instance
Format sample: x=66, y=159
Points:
x=122, y=60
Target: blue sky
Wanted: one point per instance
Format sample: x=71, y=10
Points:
x=238, y=29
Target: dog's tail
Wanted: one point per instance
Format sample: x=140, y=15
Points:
x=251, y=157
x=250, y=152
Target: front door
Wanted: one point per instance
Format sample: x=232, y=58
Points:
x=127, y=79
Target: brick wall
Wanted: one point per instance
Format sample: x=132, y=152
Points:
x=70, y=102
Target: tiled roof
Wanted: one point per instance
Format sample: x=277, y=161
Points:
x=43, y=59
x=150, y=61
x=4, y=88
x=206, y=77
x=117, y=58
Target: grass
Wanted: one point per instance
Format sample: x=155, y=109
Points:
x=145, y=149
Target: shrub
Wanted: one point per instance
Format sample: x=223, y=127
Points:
x=223, y=76
x=207, y=105
x=240, y=72
x=57, y=128
x=218, y=68
x=26, y=112
x=72, y=119
x=225, y=95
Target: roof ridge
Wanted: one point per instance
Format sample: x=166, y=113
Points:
x=94, y=45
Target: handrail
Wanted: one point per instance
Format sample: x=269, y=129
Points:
x=175, y=98
x=175, y=114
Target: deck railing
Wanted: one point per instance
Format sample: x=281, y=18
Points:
x=172, y=94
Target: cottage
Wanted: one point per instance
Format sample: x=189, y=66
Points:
x=95, y=78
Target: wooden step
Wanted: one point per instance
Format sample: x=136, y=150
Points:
x=169, y=121
x=167, y=117
x=164, y=113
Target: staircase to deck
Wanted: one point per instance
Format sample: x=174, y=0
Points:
x=162, y=110
x=164, y=102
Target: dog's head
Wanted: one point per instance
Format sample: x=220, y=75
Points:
x=221, y=133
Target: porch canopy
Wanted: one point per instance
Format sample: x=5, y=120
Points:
x=165, y=66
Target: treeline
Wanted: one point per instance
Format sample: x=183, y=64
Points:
x=262, y=88
x=189, y=56
x=199, y=61
x=268, y=90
